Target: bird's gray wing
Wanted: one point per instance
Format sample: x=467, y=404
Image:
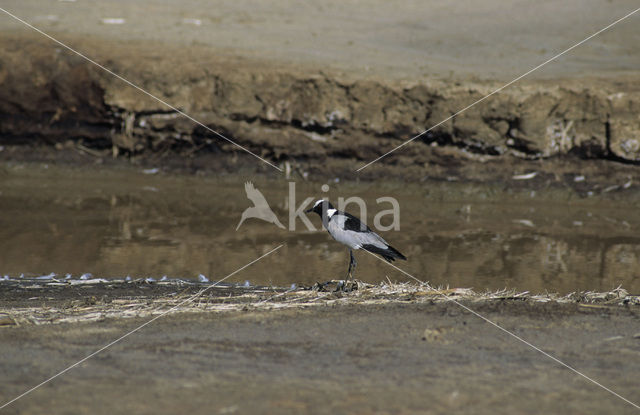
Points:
x=355, y=239
x=371, y=238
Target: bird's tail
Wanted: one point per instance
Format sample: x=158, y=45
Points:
x=389, y=253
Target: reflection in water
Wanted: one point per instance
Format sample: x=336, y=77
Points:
x=118, y=223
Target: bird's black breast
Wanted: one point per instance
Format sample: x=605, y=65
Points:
x=351, y=223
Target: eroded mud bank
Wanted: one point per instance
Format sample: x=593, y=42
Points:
x=303, y=115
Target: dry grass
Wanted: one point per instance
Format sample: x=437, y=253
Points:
x=225, y=299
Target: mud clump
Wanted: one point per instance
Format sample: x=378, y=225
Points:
x=297, y=114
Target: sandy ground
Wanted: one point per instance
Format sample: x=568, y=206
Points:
x=368, y=351
x=407, y=39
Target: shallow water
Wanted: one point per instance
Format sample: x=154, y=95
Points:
x=119, y=222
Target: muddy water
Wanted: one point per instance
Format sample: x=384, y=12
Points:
x=118, y=222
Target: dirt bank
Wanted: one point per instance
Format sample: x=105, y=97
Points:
x=377, y=350
x=318, y=119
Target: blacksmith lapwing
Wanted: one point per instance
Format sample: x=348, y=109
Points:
x=350, y=231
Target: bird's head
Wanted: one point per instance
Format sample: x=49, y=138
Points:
x=320, y=206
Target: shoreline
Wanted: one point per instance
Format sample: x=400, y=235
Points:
x=55, y=301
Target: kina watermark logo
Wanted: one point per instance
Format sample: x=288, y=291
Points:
x=260, y=209
x=387, y=209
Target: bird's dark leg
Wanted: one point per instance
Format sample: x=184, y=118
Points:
x=345, y=285
x=352, y=265
x=355, y=263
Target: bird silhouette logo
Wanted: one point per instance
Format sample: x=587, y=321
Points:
x=260, y=208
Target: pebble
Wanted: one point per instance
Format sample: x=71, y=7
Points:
x=524, y=222
x=112, y=20
x=195, y=22
x=47, y=277
x=527, y=176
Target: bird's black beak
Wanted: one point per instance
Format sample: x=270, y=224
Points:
x=308, y=210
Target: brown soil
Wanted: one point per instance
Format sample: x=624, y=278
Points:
x=337, y=353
